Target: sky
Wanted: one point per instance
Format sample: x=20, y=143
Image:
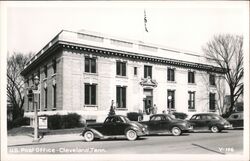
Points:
x=179, y=25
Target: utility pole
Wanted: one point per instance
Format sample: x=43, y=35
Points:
x=36, y=92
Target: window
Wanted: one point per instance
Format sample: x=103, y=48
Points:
x=191, y=100
x=196, y=117
x=157, y=118
x=235, y=116
x=39, y=95
x=171, y=102
x=147, y=71
x=191, y=78
x=135, y=70
x=45, y=71
x=204, y=117
x=27, y=95
x=121, y=97
x=90, y=94
x=171, y=74
x=212, y=79
x=33, y=79
x=39, y=102
x=212, y=101
x=54, y=66
x=120, y=68
x=90, y=65
x=45, y=98
x=54, y=96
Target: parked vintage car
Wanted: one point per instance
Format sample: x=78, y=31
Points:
x=116, y=125
x=209, y=121
x=162, y=123
x=236, y=119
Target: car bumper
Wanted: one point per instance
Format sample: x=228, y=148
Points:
x=188, y=129
x=230, y=126
x=191, y=128
x=142, y=133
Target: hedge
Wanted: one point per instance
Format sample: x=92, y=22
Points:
x=71, y=120
x=135, y=116
x=180, y=115
x=22, y=121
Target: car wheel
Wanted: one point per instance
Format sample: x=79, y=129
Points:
x=131, y=135
x=215, y=129
x=176, y=131
x=89, y=136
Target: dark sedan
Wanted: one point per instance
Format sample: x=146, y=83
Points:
x=209, y=121
x=162, y=123
x=236, y=119
x=116, y=125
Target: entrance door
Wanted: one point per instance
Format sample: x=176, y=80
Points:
x=148, y=101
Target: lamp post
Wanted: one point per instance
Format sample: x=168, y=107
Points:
x=169, y=108
x=35, y=96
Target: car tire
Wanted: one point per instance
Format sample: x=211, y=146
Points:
x=89, y=136
x=131, y=135
x=176, y=131
x=215, y=129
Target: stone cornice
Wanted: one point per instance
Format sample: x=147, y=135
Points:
x=141, y=57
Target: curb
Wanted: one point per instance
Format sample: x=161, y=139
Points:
x=39, y=143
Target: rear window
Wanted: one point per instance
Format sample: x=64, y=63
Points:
x=156, y=118
x=236, y=116
x=196, y=117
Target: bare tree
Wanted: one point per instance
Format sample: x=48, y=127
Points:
x=219, y=88
x=227, y=52
x=15, y=82
x=221, y=91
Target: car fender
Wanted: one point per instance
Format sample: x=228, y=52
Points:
x=218, y=124
x=133, y=128
x=96, y=133
x=177, y=125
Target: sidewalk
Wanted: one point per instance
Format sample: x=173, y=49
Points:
x=22, y=140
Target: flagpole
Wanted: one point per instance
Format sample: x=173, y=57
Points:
x=145, y=28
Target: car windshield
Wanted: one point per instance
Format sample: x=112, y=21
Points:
x=170, y=117
x=214, y=117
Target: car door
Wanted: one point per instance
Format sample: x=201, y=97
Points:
x=196, y=121
x=205, y=122
x=241, y=120
x=236, y=120
x=154, y=124
x=119, y=126
x=161, y=124
x=109, y=126
x=166, y=124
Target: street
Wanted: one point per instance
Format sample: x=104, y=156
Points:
x=226, y=142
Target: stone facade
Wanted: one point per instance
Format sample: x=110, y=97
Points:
x=68, y=50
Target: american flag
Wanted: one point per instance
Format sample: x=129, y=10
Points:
x=145, y=21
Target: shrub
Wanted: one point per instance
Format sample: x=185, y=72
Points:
x=21, y=121
x=135, y=116
x=55, y=122
x=71, y=120
x=180, y=115
x=9, y=124
x=64, y=121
